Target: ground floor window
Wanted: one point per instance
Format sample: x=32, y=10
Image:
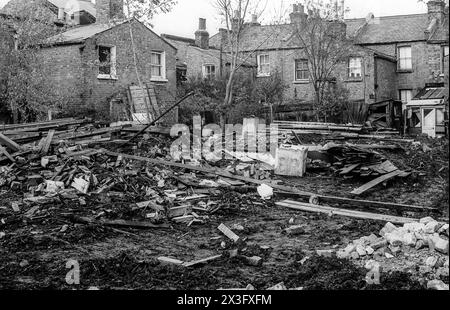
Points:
x=209, y=71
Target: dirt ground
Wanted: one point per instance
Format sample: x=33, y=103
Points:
x=34, y=252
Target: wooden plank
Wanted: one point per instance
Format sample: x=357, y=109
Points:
x=201, y=261
x=375, y=182
x=348, y=169
x=349, y=213
x=119, y=223
x=227, y=232
x=47, y=142
x=3, y=151
x=9, y=143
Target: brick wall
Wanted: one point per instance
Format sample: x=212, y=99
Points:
x=75, y=66
x=426, y=61
x=283, y=61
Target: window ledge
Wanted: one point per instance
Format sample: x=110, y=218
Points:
x=301, y=82
x=357, y=80
x=107, y=77
x=263, y=75
x=404, y=70
x=159, y=79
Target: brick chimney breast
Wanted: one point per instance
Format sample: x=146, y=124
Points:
x=108, y=10
x=201, y=35
x=436, y=10
x=298, y=15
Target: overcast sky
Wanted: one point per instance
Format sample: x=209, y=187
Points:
x=183, y=20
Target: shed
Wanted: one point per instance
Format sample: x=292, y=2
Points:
x=426, y=113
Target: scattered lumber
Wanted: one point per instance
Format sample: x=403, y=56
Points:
x=9, y=143
x=377, y=181
x=218, y=172
x=344, y=212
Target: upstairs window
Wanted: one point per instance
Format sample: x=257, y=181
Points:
x=355, y=67
x=107, y=62
x=158, y=65
x=209, y=71
x=263, y=65
x=301, y=70
x=405, y=58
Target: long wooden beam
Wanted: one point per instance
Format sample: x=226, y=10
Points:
x=344, y=212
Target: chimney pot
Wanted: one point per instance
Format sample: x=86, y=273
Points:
x=295, y=8
x=201, y=24
x=60, y=13
x=301, y=8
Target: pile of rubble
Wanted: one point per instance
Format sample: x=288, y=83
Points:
x=424, y=242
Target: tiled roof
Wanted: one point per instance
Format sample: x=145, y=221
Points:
x=386, y=29
x=80, y=34
x=15, y=7
x=402, y=28
x=186, y=45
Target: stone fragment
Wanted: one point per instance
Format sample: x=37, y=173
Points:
x=420, y=244
x=388, y=228
x=431, y=261
x=426, y=220
x=254, y=260
x=354, y=255
x=388, y=255
x=414, y=227
x=379, y=244
x=325, y=253
x=437, y=285
x=409, y=239
x=278, y=287
x=361, y=250
x=369, y=250
x=431, y=227
x=439, y=244
x=295, y=230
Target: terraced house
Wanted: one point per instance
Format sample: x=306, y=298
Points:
x=395, y=57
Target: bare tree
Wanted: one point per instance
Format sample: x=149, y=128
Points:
x=323, y=41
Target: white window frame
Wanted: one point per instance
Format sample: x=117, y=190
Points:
x=407, y=59
x=205, y=71
x=113, y=64
x=266, y=64
x=355, y=67
x=162, y=65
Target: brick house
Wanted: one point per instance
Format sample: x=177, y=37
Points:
x=95, y=64
x=394, y=57
x=62, y=12
x=195, y=57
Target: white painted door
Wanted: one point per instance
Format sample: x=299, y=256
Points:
x=429, y=122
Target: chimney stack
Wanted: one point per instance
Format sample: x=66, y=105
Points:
x=236, y=21
x=108, y=10
x=201, y=35
x=436, y=10
x=298, y=15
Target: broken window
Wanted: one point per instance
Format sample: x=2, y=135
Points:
x=157, y=65
x=301, y=69
x=416, y=118
x=107, y=61
x=355, y=67
x=263, y=65
x=405, y=58
x=209, y=71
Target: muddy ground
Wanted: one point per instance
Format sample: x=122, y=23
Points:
x=34, y=253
